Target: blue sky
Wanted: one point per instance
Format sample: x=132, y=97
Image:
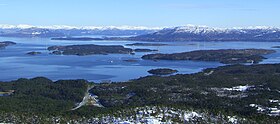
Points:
x=151, y=13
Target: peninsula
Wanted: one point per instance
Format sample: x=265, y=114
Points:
x=225, y=56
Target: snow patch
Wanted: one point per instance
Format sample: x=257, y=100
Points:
x=36, y=33
x=271, y=111
x=238, y=88
x=191, y=116
x=273, y=101
x=232, y=119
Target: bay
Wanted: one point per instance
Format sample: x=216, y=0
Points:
x=15, y=63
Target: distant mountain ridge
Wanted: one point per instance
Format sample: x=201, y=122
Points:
x=204, y=33
x=63, y=30
x=140, y=33
x=66, y=27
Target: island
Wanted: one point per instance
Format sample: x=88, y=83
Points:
x=130, y=60
x=4, y=44
x=144, y=50
x=146, y=44
x=89, y=49
x=33, y=53
x=225, y=56
x=77, y=38
x=162, y=71
x=276, y=47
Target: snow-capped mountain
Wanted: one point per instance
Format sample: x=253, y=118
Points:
x=181, y=33
x=64, y=30
x=204, y=33
x=66, y=27
x=205, y=29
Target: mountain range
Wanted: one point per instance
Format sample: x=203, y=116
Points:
x=204, y=33
x=140, y=33
x=67, y=31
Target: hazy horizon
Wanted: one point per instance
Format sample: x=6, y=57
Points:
x=25, y=26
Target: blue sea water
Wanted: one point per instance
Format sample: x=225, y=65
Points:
x=15, y=63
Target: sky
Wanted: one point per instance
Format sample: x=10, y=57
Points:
x=150, y=13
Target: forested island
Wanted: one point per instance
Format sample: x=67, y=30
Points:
x=89, y=49
x=77, y=38
x=130, y=60
x=162, y=71
x=144, y=50
x=4, y=44
x=226, y=56
x=276, y=47
x=146, y=44
x=245, y=93
x=34, y=53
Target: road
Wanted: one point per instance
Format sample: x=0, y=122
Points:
x=88, y=100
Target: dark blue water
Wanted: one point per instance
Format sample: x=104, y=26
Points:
x=14, y=63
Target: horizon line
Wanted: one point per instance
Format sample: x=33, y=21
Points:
x=139, y=27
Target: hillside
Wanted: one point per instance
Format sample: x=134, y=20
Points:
x=229, y=94
x=204, y=33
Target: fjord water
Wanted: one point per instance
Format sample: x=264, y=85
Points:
x=15, y=63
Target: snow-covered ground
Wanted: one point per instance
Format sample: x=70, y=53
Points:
x=238, y=88
x=161, y=115
x=272, y=110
